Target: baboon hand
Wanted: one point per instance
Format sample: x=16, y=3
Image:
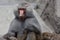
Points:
x=13, y=38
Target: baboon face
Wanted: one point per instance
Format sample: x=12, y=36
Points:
x=21, y=12
x=50, y=36
x=47, y=36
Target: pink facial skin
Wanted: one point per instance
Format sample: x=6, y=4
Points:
x=21, y=12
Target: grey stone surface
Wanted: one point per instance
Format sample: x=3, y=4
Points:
x=6, y=15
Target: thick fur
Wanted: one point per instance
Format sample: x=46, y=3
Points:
x=17, y=27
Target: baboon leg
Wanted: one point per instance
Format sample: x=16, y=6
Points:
x=31, y=36
x=38, y=37
x=23, y=37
